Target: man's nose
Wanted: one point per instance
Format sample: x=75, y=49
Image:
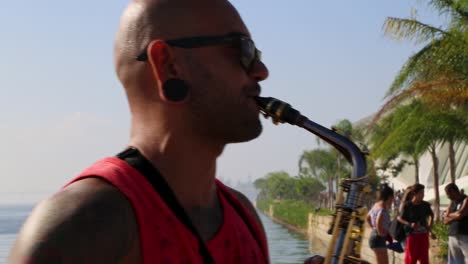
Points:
x=258, y=70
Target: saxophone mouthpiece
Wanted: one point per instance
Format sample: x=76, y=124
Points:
x=279, y=111
x=262, y=101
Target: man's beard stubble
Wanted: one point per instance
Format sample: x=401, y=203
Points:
x=218, y=116
x=226, y=124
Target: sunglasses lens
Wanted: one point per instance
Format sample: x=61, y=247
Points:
x=248, y=53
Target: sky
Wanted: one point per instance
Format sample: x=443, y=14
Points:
x=62, y=107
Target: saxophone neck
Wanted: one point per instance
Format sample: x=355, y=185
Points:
x=348, y=216
x=282, y=112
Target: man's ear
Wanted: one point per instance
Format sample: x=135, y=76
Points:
x=161, y=59
x=170, y=88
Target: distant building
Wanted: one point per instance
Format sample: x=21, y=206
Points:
x=426, y=168
x=406, y=177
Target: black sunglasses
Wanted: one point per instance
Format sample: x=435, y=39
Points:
x=248, y=52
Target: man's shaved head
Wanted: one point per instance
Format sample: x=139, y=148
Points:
x=217, y=83
x=147, y=20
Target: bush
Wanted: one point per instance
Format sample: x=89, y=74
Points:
x=263, y=204
x=324, y=211
x=441, y=232
x=293, y=212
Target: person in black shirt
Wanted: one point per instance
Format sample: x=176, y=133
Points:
x=417, y=216
x=457, y=217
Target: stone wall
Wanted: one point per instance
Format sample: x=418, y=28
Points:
x=319, y=241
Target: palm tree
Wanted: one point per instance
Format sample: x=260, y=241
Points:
x=419, y=128
x=345, y=128
x=455, y=128
x=437, y=74
x=390, y=141
x=319, y=164
x=443, y=59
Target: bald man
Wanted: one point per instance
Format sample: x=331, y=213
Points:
x=190, y=71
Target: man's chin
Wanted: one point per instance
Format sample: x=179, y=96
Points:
x=249, y=133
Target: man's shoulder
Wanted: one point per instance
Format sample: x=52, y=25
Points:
x=89, y=219
x=247, y=205
x=90, y=194
x=243, y=200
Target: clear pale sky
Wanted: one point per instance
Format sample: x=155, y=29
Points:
x=62, y=106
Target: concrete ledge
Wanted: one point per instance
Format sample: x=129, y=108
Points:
x=319, y=239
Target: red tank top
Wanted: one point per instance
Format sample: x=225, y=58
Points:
x=164, y=239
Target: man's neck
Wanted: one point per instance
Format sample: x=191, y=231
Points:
x=189, y=168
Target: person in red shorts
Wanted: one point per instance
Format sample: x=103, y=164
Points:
x=417, y=216
x=191, y=72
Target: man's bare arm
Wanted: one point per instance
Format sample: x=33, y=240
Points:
x=445, y=216
x=449, y=209
x=457, y=215
x=88, y=222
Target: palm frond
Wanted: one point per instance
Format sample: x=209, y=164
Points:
x=442, y=93
x=446, y=56
x=398, y=132
x=459, y=7
x=409, y=69
x=412, y=29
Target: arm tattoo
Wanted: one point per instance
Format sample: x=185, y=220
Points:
x=101, y=229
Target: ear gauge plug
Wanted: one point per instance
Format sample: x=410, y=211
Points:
x=175, y=90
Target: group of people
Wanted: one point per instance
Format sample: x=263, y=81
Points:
x=415, y=219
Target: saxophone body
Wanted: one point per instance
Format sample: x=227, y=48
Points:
x=347, y=226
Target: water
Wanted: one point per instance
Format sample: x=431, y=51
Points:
x=11, y=219
x=285, y=247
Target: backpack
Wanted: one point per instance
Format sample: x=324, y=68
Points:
x=397, y=230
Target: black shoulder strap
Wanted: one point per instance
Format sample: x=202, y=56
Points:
x=135, y=159
x=243, y=215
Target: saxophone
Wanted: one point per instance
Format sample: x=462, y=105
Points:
x=347, y=226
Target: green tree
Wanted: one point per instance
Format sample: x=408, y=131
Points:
x=313, y=164
x=417, y=127
x=319, y=164
x=280, y=186
x=390, y=142
x=345, y=128
x=440, y=66
x=308, y=189
x=436, y=75
x=277, y=185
